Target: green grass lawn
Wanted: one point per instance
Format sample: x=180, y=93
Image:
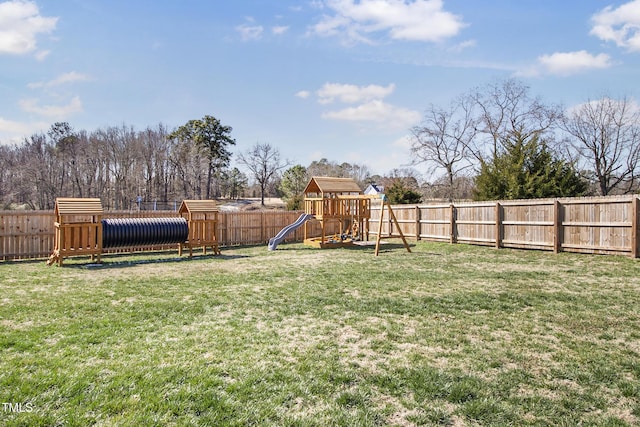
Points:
x=450, y=335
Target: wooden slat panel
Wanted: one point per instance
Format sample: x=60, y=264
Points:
x=73, y=206
x=202, y=206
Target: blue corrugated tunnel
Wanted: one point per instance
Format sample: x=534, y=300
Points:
x=121, y=232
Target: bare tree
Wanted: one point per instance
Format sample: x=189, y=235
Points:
x=323, y=167
x=441, y=141
x=116, y=164
x=505, y=108
x=66, y=149
x=154, y=150
x=187, y=169
x=409, y=177
x=607, y=138
x=119, y=152
x=38, y=176
x=359, y=173
x=263, y=161
x=6, y=159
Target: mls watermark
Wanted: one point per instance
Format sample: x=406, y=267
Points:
x=17, y=408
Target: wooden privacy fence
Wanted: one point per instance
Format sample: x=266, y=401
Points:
x=603, y=225
x=596, y=225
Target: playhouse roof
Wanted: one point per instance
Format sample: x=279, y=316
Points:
x=73, y=206
x=197, y=206
x=326, y=184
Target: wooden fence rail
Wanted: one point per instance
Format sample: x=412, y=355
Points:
x=596, y=225
x=603, y=225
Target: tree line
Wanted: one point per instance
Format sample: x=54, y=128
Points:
x=120, y=165
x=150, y=169
x=493, y=142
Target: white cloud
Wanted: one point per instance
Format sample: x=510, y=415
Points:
x=394, y=155
x=14, y=132
x=250, y=32
x=42, y=55
x=378, y=111
x=369, y=105
x=620, y=25
x=52, y=111
x=280, y=29
x=304, y=94
x=60, y=80
x=20, y=24
x=569, y=63
x=417, y=20
x=402, y=143
x=352, y=94
x=13, y=127
x=631, y=106
x=462, y=46
x=315, y=155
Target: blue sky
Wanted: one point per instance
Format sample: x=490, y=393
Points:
x=340, y=79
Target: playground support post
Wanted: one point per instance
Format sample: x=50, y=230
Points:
x=385, y=201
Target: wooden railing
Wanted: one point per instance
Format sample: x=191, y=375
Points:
x=338, y=207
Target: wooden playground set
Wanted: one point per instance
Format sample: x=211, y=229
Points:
x=81, y=230
x=336, y=203
x=339, y=201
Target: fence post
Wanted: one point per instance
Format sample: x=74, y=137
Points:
x=453, y=235
x=557, y=227
x=418, y=218
x=635, y=207
x=498, y=230
x=223, y=238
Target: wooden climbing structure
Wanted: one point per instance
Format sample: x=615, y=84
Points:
x=202, y=216
x=340, y=201
x=337, y=201
x=78, y=229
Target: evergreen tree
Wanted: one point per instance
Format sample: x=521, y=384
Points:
x=213, y=138
x=527, y=169
x=235, y=183
x=399, y=194
x=292, y=186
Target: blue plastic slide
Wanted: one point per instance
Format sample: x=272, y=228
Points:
x=273, y=242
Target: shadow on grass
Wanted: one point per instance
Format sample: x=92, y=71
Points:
x=358, y=246
x=388, y=247
x=124, y=260
x=293, y=246
x=384, y=246
x=23, y=261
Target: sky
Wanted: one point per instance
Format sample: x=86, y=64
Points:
x=343, y=80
